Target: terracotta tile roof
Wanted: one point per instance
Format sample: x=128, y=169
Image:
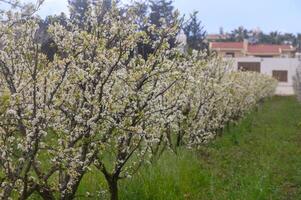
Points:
x=253, y=48
x=262, y=48
x=216, y=36
x=213, y=36
x=268, y=48
x=286, y=47
x=227, y=45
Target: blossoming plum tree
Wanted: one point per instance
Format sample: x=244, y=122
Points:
x=215, y=95
x=100, y=104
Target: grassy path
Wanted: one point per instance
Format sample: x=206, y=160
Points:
x=258, y=159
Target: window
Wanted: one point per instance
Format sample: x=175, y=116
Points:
x=280, y=75
x=230, y=54
x=264, y=56
x=249, y=66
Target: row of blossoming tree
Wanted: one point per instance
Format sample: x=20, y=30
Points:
x=98, y=104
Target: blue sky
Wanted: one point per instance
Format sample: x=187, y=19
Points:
x=268, y=15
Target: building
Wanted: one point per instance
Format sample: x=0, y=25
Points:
x=217, y=37
x=245, y=49
x=282, y=69
x=278, y=61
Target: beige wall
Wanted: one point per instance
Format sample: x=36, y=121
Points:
x=270, y=64
x=262, y=55
x=241, y=53
x=236, y=53
x=288, y=54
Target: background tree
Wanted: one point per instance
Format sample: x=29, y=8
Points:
x=162, y=13
x=78, y=11
x=273, y=38
x=195, y=33
x=298, y=41
x=161, y=9
x=156, y=14
x=239, y=34
x=48, y=45
x=221, y=31
x=257, y=36
x=141, y=10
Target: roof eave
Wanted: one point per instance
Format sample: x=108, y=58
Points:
x=264, y=54
x=228, y=49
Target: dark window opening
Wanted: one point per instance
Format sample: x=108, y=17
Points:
x=230, y=54
x=264, y=56
x=280, y=75
x=249, y=66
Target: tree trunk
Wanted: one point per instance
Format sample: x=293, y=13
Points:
x=71, y=193
x=46, y=194
x=7, y=192
x=179, y=138
x=113, y=187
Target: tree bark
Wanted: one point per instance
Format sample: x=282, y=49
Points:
x=45, y=193
x=113, y=187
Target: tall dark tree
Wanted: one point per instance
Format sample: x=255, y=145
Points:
x=62, y=19
x=239, y=34
x=48, y=45
x=141, y=10
x=257, y=36
x=221, y=30
x=195, y=33
x=298, y=42
x=103, y=7
x=78, y=10
x=163, y=10
x=273, y=37
x=289, y=38
x=158, y=13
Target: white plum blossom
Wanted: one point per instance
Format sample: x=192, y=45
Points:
x=100, y=98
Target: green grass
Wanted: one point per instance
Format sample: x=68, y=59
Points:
x=258, y=159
